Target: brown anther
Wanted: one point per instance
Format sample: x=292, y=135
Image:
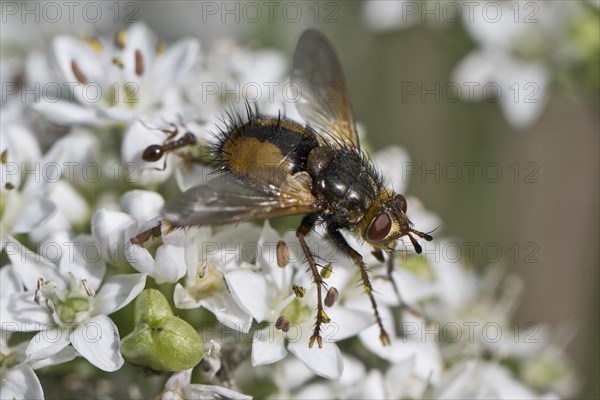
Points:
x=78, y=74
x=282, y=324
x=283, y=255
x=299, y=291
x=139, y=63
x=331, y=297
x=9, y=186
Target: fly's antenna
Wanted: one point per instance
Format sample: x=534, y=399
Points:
x=422, y=235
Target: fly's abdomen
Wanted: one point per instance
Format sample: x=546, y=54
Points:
x=266, y=150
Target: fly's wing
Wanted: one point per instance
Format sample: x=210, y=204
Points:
x=325, y=102
x=228, y=198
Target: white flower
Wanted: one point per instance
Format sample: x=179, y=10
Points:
x=519, y=86
x=481, y=380
x=64, y=305
x=118, y=81
x=204, y=284
x=234, y=74
x=268, y=296
x=516, y=57
x=179, y=387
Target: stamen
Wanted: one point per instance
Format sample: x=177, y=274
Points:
x=283, y=255
x=88, y=289
x=299, y=291
x=50, y=305
x=38, y=291
x=121, y=38
x=202, y=273
x=139, y=63
x=282, y=324
x=331, y=297
x=118, y=62
x=4, y=156
x=78, y=74
x=95, y=44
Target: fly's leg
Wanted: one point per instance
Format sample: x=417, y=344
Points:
x=146, y=235
x=343, y=245
x=307, y=224
x=403, y=305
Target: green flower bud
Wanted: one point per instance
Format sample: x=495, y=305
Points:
x=151, y=306
x=161, y=341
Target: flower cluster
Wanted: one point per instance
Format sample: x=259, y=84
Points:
x=520, y=48
x=215, y=305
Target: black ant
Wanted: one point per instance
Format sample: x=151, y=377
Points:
x=155, y=152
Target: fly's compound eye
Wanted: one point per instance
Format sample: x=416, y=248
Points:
x=152, y=153
x=401, y=201
x=380, y=227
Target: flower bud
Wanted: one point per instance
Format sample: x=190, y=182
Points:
x=160, y=340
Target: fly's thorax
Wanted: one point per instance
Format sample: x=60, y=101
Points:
x=344, y=180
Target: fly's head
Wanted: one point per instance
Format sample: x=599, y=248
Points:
x=386, y=221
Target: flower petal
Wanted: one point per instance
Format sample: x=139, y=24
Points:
x=169, y=264
x=171, y=66
x=118, y=291
x=345, y=323
x=65, y=113
x=20, y=313
x=325, y=362
x=249, y=290
x=47, y=342
x=142, y=205
x=267, y=346
x=108, y=229
x=35, y=213
x=140, y=258
x=29, y=266
x=20, y=382
x=198, y=391
x=98, y=341
x=65, y=355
